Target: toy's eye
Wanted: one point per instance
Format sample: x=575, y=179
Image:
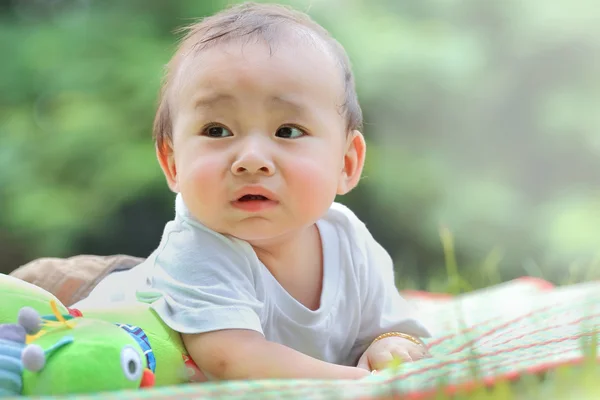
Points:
x=131, y=363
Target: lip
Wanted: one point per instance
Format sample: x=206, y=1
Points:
x=254, y=206
x=254, y=191
x=148, y=379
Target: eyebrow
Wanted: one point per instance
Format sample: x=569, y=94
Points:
x=289, y=104
x=212, y=100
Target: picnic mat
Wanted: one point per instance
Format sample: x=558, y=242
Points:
x=525, y=326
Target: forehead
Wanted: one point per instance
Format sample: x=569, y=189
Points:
x=298, y=64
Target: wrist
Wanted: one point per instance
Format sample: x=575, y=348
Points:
x=358, y=373
x=401, y=335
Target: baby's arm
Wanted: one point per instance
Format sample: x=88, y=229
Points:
x=385, y=314
x=208, y=293
x=233, y=354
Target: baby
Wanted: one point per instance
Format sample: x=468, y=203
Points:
x=263, y=274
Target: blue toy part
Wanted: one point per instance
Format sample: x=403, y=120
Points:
x=13, y=346
x=140, y=337
x=11, y=367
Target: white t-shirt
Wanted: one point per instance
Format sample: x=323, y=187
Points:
x=199, y=281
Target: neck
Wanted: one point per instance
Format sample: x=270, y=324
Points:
x=286, y=252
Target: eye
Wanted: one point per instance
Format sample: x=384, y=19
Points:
x=131, y=363
x=289, y=132
x=216, y=131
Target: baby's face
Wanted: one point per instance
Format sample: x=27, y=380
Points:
x=259, y=141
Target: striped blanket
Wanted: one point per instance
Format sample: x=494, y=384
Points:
x=525, y=326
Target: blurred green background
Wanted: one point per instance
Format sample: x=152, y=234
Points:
x=480, y=116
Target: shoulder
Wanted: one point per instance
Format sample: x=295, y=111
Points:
x=351, y=225
x=367, y=253
x=188, y=249
x=339, y=214
x=193, y=239
x=352, y=234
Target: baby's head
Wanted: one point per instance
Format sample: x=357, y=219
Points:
x=258, y=122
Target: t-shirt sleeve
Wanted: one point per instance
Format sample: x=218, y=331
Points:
x=383, y=308
x=204, y=284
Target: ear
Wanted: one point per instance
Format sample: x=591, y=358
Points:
x=167, y=164
x=354, y=161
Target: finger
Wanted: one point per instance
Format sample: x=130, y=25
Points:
x=418, y=353
x=401, y=354
x=363, y=362
x=426, y=353
x=381, y=360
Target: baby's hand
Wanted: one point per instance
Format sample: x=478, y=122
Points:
x=382, y=353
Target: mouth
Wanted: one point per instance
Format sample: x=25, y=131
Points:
x=254, y=193
x=252, y=197
x=148, y=379
x=254, y=200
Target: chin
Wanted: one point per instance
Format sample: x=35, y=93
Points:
x=256, y=234
x=262, y=231
x=255, y=237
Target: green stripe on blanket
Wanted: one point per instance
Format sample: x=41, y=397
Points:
x=522, y=327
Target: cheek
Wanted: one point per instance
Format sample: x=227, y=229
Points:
x=314, y=181
x=201, y=171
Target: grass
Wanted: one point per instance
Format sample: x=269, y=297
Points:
x=575, y=382
x=579, y=382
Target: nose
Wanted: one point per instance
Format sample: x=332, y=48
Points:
x=253, y=159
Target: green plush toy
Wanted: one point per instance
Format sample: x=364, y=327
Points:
x=96, y=350
x=84, y=355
